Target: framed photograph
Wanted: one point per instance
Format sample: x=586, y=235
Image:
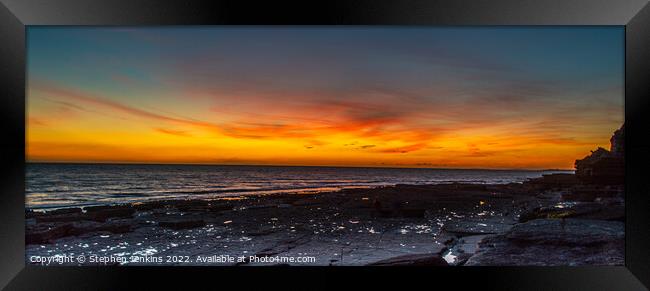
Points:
x=208, y=143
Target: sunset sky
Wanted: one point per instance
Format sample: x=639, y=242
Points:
x=499, y=97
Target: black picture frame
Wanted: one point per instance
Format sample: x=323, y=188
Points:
x=15, y=15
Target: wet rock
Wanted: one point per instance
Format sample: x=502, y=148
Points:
x=31, y=213
x=150, y=205
x=260, y=206
x=384, y=213
x=65, y=211
x=57, y=215
x=284, y=246
x=112, y=228
x=202, y=206
x=606, y=212
x=334, y=228
x=397, y=210
x=220, y=207
x=48, y=235
x=567, y=231
x=412, y=212
x=545, y=212
x=263, y=231
x=105, y=214
x=97, y=213
x=310, y=201
x=475, y=227
x=182, y=224
x=589, y=193
x=47, y=218
x=600, y=211
x=548, y=242
x=193, y=207
x=554, y=181
x=413, y=260
x=459, y=250
x=359, y=203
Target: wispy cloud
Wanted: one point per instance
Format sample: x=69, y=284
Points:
x=88, y=98
x=173, y=132
x=403, y=149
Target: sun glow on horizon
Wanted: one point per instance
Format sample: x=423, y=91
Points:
x=430, y=98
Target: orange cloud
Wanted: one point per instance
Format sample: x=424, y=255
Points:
x=404, y=149
x=173, y=132
x=35, y=121
x=321, y=130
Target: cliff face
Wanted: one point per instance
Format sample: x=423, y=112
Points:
x=604, y=166
x=617, y=142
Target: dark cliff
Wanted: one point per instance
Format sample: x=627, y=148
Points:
x=604, y=166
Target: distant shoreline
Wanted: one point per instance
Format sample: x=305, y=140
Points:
x=290, y=166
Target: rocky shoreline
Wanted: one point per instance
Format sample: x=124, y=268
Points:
x=553, y=220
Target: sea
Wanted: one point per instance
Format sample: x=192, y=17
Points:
x=55, y=185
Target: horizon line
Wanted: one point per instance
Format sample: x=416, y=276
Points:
x=279, y=165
